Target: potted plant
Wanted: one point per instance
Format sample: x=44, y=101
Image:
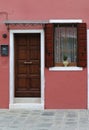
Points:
x=65, y=60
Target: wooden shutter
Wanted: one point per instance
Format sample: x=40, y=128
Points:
x=82, y=45
x=49, y=56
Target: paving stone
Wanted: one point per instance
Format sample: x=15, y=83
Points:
x=71, y=115
x=70, y=128
x=44, y=120
x=47, y=125
x=55, y=128
x=15, y=128
x=84, y=128
x=48, y=113
x=4, y=128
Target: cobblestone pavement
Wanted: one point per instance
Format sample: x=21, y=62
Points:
x=44, y=120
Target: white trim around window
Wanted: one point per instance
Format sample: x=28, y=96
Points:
x=66, y=68
x=65, y=21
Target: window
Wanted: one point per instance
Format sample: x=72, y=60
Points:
x=65, y=44
x=65, y=40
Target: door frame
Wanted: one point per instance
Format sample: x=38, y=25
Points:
x=31, y=105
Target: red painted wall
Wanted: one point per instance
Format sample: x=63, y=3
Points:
x=66, y=89
x=4, y=73
x=62, y=89
x=46, y=9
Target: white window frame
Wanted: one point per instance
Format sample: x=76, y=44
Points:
x=69, y=68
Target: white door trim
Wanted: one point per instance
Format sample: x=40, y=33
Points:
x=12, y=103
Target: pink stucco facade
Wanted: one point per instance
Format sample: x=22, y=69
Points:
x=63, y=89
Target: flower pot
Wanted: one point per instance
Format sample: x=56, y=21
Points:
x=65, y=63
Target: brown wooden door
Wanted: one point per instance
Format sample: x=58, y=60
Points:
x=27, y=65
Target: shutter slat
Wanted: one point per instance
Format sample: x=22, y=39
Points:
x=49, y=56
x=82, y=45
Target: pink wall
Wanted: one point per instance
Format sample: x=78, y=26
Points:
x=63, y=89
x=46, y=9
x=4, y=74
x=66, y=90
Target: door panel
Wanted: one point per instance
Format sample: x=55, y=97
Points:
x=34, y=69
x=22, y=53
x=27, y=65
x=22, y=69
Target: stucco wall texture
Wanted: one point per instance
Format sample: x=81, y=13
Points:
x=63, y=90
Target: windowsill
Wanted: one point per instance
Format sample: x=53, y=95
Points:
x=65, y=68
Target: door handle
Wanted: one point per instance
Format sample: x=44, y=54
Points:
x=27, y=62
